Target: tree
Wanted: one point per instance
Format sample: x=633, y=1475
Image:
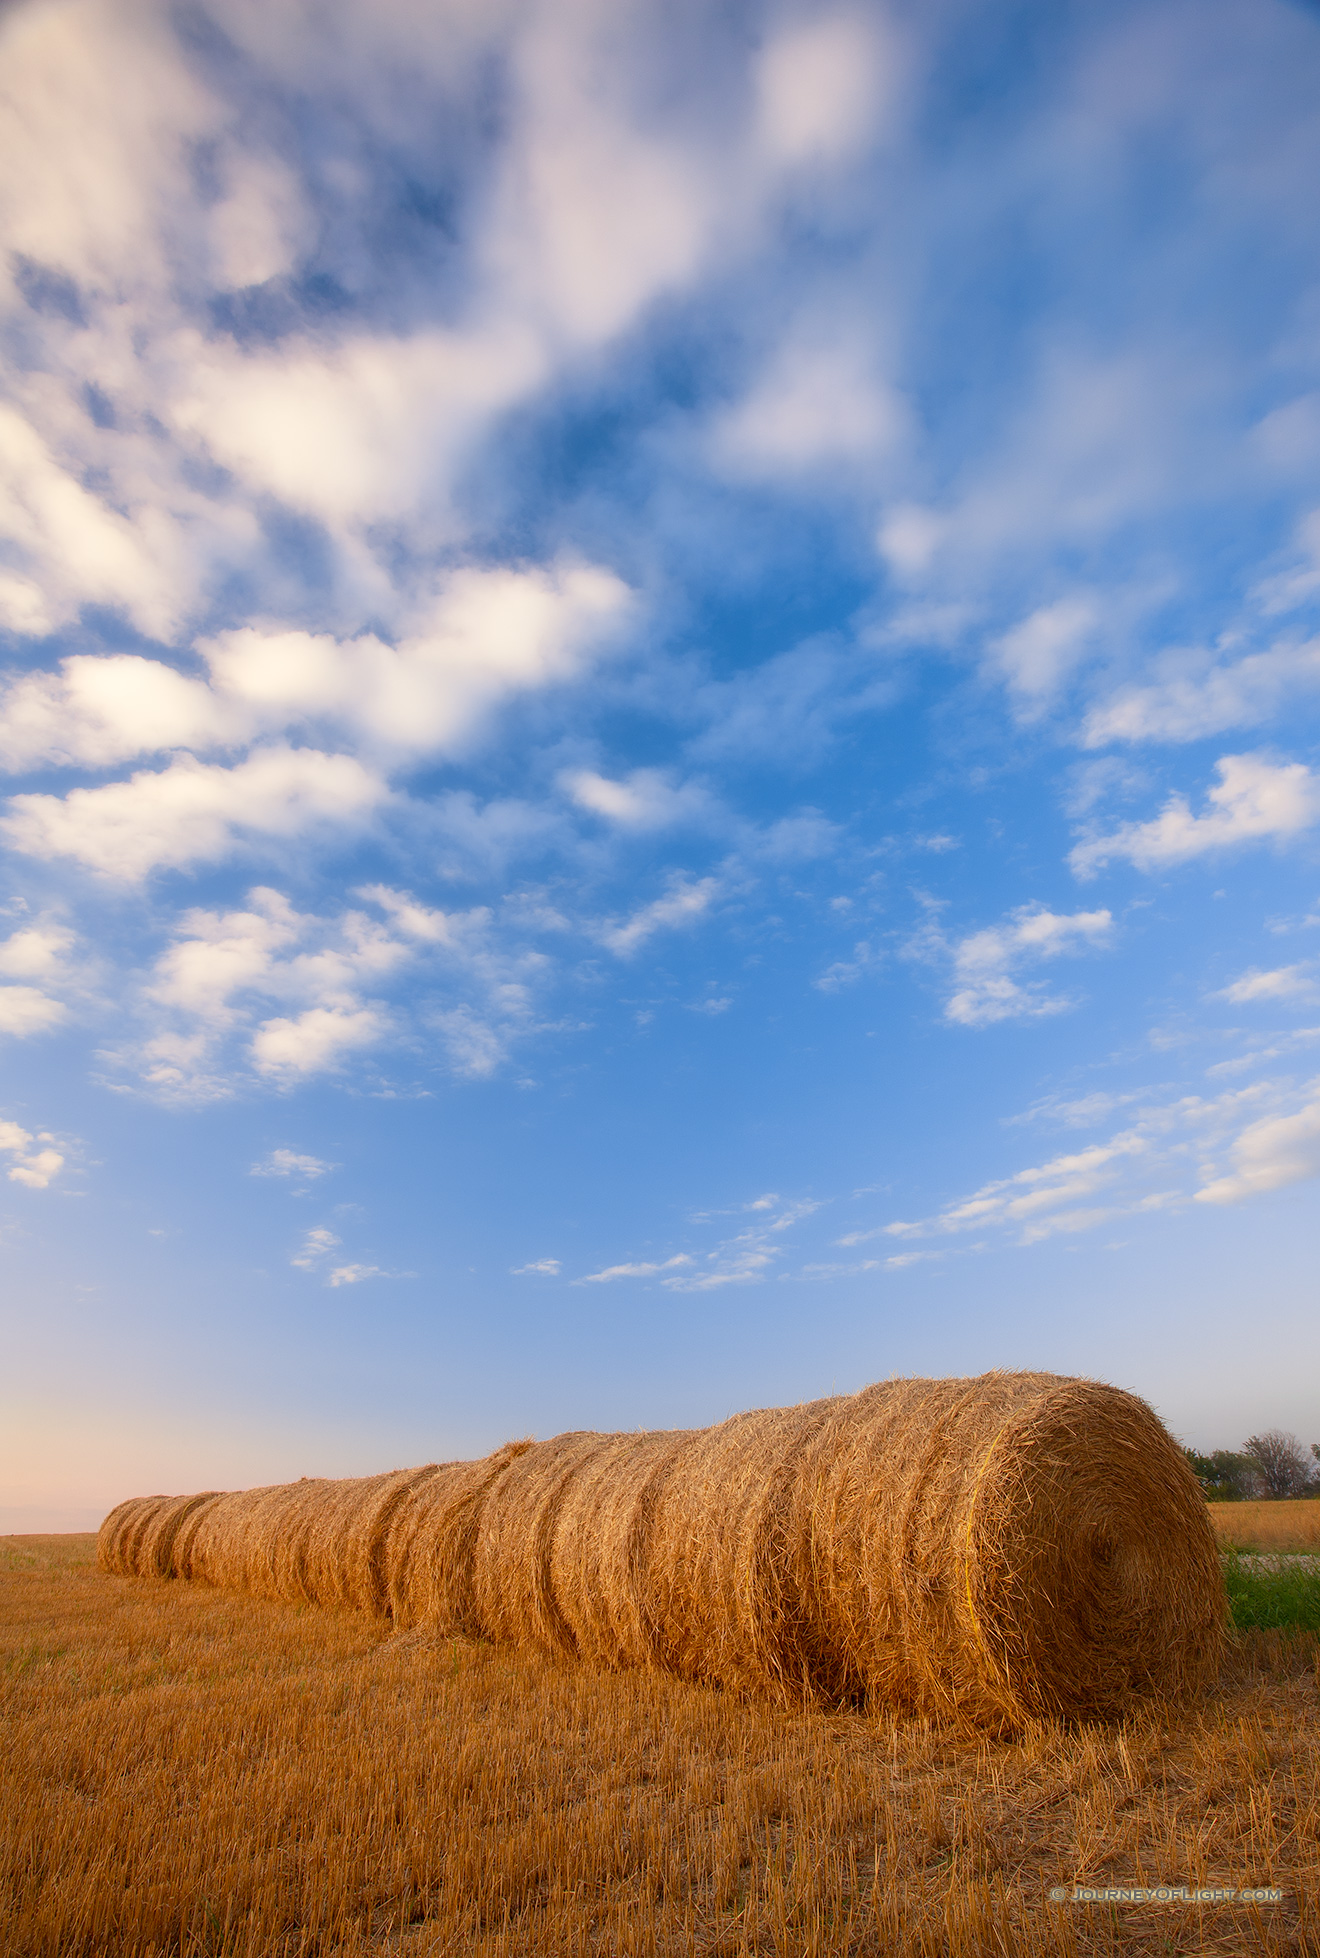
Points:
x=1224, y=1476
x=1281, y=1461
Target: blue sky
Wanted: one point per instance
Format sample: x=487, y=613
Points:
x=660, y=683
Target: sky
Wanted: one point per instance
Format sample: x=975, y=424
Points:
x=660, y=693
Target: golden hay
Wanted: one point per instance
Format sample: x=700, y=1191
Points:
x=1005, y=1547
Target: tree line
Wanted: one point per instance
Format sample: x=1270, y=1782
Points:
x=1273, y=1465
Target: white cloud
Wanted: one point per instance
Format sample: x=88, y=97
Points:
x=34, y=1168
x=744, y=1259
x=824, y=86
x=486, y=634
x=611, y=1272
x=354, y=1274
x=846, y=972
x=316, y=1041
x=1145, y=1168
x=646, y=800
x=1270, y=1154
x=96, y=107
x=362, y=431
x=1254, y=800
x=543, y=1267
x=1284, y=982
x=818, y=403
x=685, y=902
x=477, y=1044
x=99, y=709
x=909, y=537
x=257, y=229
x=1197, y=698
x=217, y=981
x=192, y=812
x=80, y=549
x=1298, y=584
x=26, y=1009
x=1038, y=654
x=287, y=1162
x=316, y=1245
x=984, y=963
x=35, y=951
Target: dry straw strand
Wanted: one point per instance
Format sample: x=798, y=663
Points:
x=1008, y=1547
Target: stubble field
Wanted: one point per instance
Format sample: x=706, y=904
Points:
x=191, y=1772
x=1267, y=1526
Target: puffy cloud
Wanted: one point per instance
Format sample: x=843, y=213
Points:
x=216, y=983
x=354, y=1274
x=1284, y=982
x=683, y=904
x=541, y=1267
x=101, y=709
x=36, y=951
x=97, y=107
x=819, y=403
x=192, y=812
x=824, y=87
x=78, y=548
x=1254, y=800
x=1197, y=698
x=984, y=963
x=258, y=228
x=34, y=1168
x=287, y=1162
x=358, y=432
x=26, y=1009
x=909, y=538
x=316, y=1245
x=1037, y=654
x=1270, y=1154
x=316, y=1040
x=645, y=800
x=485, y=635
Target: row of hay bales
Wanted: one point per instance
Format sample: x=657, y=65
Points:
x=1008, y=1546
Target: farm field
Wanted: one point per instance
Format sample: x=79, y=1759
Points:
x=1267, y=1526
x=196, y=1772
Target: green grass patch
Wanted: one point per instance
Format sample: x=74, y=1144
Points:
x=1269, y=1599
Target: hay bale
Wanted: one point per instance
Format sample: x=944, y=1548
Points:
x=1007, y=1547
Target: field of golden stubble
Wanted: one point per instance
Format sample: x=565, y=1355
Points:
x=1268, y=1527
x=192, y=1772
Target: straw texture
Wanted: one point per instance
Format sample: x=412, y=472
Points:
x=1005, y=1547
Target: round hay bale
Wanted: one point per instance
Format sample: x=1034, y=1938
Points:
x=113, y=1535
x=1009, y=1547
x=155, y=1544
x=430, y=1544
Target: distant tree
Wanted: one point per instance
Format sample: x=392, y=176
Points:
x=1224, y=1476
x=1281, y=1461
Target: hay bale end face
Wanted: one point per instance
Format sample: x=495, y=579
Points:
x=1008, y=1547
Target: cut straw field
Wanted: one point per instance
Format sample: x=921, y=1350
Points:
x=1267, y=1527
x=209, y=1774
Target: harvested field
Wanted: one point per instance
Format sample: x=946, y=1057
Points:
x=1267, y=1526
x=204, y=1774
x=1006, y=1548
